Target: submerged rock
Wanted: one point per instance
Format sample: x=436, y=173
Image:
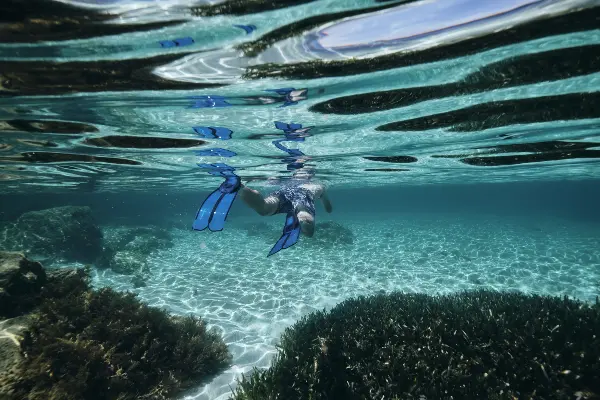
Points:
x=20, y=283
x=138, y=281
x=128, y=262
x=126, y=250
x=11, y=359
x=68, y=232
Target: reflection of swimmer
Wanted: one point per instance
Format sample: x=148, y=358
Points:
x=289, y=97
x=297, y=200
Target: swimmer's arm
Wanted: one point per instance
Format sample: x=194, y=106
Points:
x=326, y=202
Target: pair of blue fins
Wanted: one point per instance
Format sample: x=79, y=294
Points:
x=213, y=212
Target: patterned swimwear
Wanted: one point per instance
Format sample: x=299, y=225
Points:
x=291, y=198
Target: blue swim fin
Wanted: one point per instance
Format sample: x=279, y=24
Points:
x=287, y=127
x=291, y=233
x=186, y=41
x=210, y=132
x=248, y=28
x=213, y=212
x=210, y=101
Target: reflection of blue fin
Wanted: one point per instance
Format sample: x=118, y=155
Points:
x=287, y=127
x=210, y=101
x=291, y=233
x=186, y=41
x=210, y=132
x=248, y=28
x=281, y=91
x=214, y=210
x=295, y=152
x=215, y=153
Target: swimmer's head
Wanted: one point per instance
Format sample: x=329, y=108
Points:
x=304, y=173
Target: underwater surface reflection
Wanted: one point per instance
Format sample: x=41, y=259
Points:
x=426, y=147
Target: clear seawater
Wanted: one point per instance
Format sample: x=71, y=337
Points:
x=505, y=199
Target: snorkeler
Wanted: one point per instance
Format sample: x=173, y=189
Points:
x=297, y=200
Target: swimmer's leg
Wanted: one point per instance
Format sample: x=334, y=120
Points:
x=307, y=223
x=256, y=201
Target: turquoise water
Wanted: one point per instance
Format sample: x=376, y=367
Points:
x=458, y=153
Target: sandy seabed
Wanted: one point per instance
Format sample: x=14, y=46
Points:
x=227, y=279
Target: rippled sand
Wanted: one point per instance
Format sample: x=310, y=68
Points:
x=227, y=279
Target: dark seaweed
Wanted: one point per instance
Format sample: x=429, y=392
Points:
x=521, y=70
x=49, y=126
x=502, y=113
x=254, y=47
x=86, y=344
x=143, y=142
x=472, y=345
x=30, y=21
x=394, y=159
x=48, y=157
x=244, y=7
x=577, y=21
x=46, y=78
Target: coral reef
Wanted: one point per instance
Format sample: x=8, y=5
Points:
x=62, y=232
x=80, y=343
x=471, y=345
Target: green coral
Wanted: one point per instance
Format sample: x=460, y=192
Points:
x=472, y=345
x=87, y=344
